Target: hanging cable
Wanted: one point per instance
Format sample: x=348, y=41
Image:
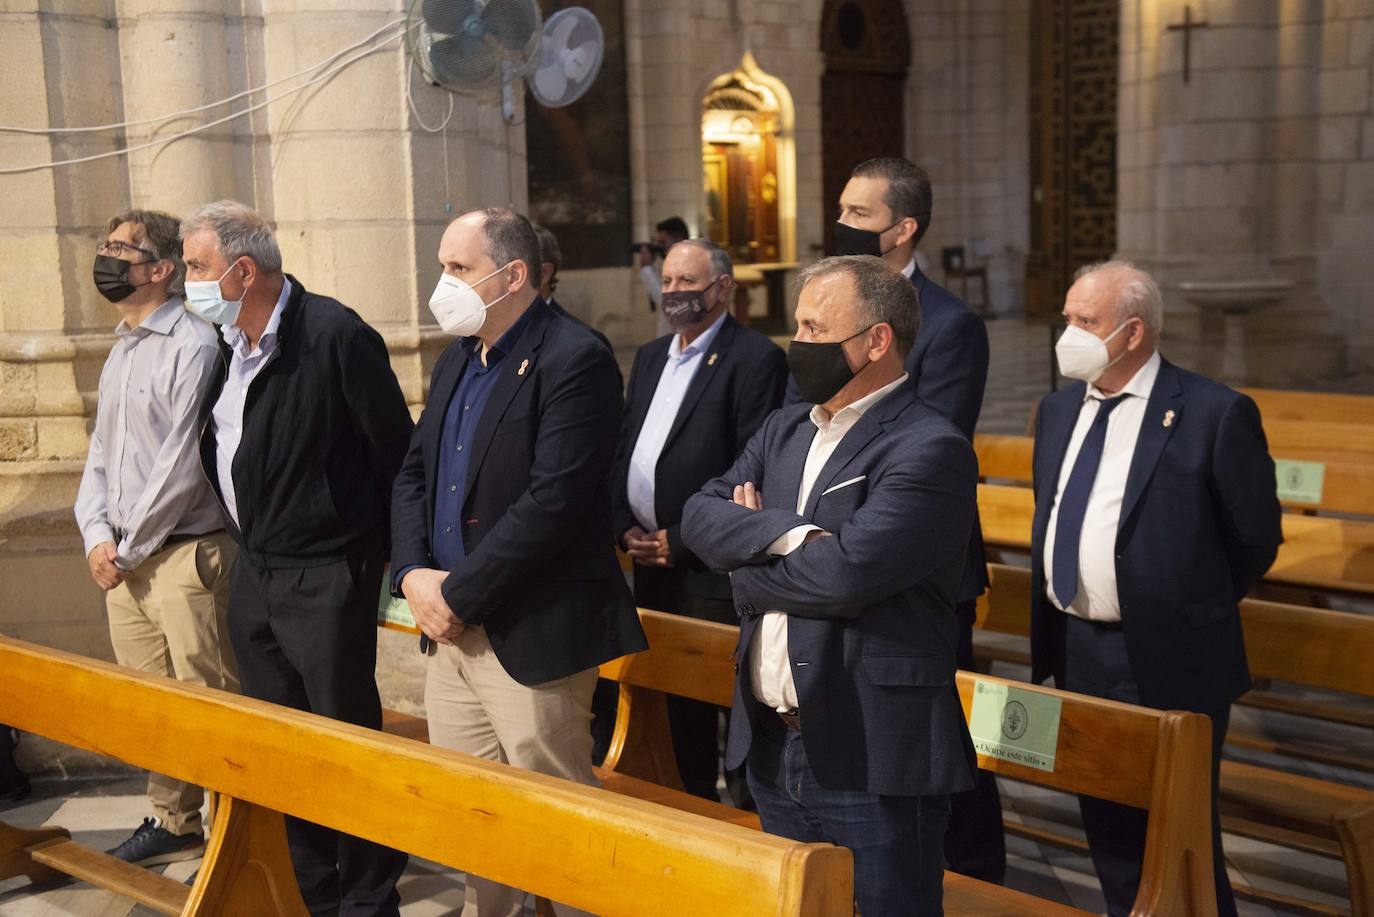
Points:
x=208, y=105
x=410, y=100
x=328, y=74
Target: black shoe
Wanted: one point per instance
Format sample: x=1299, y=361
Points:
x=153, y=845
x=13, y=792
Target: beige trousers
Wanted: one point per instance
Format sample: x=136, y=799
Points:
x=168, y=618
x=473, y=706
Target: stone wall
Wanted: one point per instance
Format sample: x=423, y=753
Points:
x=1260, y=166
x=967, y=124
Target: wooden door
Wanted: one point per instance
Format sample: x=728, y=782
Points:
x=863, y=92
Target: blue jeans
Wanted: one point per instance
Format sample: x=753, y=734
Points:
x=897, y=841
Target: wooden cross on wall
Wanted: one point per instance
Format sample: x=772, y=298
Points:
x=1186, y=27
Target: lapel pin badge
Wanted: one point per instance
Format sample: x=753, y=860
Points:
x=711, y=360
x=526, y=365
x=1169, y=418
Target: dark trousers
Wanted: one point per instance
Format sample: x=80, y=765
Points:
x=897, y=841
x=1096, y=664
x=975, y=844
x=306, y=638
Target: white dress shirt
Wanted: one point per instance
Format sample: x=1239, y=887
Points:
x=652, y=278
x=1097, y=599
x=244, y=367
x=770, y=666
x=141, y=484
x=677, y=375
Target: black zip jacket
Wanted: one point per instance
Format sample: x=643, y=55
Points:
x=325, y=428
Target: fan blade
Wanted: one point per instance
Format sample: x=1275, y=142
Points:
x=447, y=16
x=512, y=22
x=580, y=61
x=462, y=62
x=561, y=34
x=549, y=84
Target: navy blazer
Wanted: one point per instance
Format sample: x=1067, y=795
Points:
x=948, y=366
x=540, y=572
x=738, y=384
x=1200, y=524
x=872, y=633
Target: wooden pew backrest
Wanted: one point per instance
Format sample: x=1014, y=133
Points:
x=590, y=848
x=1280, y=404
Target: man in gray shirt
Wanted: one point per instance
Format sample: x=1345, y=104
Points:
x=154, y=537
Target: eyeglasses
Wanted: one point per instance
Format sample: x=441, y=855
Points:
x=117, y=249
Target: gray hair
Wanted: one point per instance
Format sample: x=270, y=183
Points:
x=884, y=295
x=159, y=237
x=240, y=230
x=509, y=236
x=721, y=262
x=1137, y=294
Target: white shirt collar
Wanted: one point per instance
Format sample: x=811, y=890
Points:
x=910, y=268
x=234, y=334
x=161, y=320
x=850, y=413
x=699, y=344
x=1141, y=384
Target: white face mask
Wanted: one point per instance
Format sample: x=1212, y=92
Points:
x=204, y=298
x=1083, y=355
x=458, y=308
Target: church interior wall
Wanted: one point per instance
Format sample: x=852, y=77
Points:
x=967, y=124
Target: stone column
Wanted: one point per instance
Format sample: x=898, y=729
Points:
x=1217, y=176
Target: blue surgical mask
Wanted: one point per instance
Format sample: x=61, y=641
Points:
x=204, y=298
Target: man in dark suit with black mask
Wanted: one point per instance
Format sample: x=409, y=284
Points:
x=695, y=398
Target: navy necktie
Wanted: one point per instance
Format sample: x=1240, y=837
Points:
x=1073, y=505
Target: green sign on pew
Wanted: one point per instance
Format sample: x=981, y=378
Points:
x=391, y=610
x=1014, y=724
x=1299, y=482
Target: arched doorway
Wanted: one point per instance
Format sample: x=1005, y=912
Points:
x=863, y=93
x=747, y=165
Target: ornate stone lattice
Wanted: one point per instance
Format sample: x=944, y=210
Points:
x=1074, y=61
x=867, y=52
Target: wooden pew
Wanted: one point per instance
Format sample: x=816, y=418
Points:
x=1282, y=404
x=692, y=658
x=1347, y=487
x=1307, y=646
x=588, y=847
x=1318, y=552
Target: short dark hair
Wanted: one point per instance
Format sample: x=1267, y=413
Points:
x=509, y=236
x=161, y=236
x=550, y=253
x=675, y=227
x=908, y=191
x=885, y=296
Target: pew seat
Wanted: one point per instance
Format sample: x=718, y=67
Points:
x=1307, y=646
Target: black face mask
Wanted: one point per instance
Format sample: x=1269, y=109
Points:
x=112, y=278
x=821, y=370
x=850, y=240
x=685, y=309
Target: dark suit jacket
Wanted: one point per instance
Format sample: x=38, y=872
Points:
x=1199, y=526
x=558, y=309
x=540, y=572
x=737, y=385
x=949, y=368
x=871, y=633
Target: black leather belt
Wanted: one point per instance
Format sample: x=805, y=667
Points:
x=792, y=720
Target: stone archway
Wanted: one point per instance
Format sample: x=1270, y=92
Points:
x=867, y=50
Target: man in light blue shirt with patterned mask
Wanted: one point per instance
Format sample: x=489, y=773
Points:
x=154, y=538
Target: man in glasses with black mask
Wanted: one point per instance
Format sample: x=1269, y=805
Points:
x=153, y=535
x=695, y=397
x=884, y=211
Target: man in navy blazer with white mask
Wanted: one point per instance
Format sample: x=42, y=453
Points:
x=844, y=525
x=1155, y=512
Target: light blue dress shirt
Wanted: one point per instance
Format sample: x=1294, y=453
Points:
x=244, y=367
x=678, y=371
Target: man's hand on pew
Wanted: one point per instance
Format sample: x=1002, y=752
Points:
x=648, y=549
x=423, y=589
